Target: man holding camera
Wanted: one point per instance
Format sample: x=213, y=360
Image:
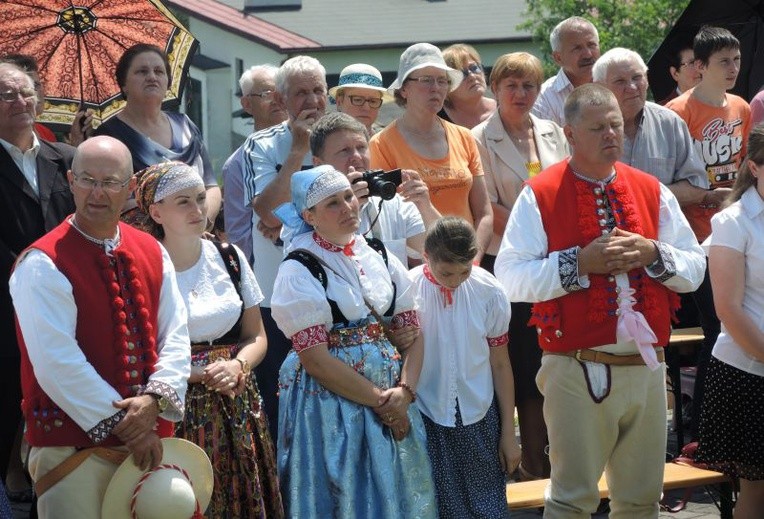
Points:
x=400, y=221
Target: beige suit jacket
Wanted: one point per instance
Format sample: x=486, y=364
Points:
x=504, y=167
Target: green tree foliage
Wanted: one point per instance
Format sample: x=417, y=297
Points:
x=639, y=25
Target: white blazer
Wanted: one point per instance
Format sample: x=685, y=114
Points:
x=504, y=167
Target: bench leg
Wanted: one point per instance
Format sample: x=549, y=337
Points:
x=672, y=364
x=725, y=500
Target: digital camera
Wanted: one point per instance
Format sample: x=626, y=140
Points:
x=382, y=183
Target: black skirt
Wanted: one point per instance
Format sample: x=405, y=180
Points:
x=732, y=422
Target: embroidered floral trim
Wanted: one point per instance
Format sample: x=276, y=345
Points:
x=103, y=429
x=568, y=269
x=501, y=340
x=155, y=387
x=347, y=250
x=665, y=268
x=599, y=209
x=446, y=293
x=309, y=337
x=356, y=335
x=405, y=319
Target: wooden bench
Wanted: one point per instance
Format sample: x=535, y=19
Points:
x=530, y=494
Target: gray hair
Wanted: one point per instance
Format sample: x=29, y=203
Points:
x=247, y=79
x=574, y=22
x=590, y=94
x=616, y=56
x=297, y=66
x=15, y=67
x=330, y=123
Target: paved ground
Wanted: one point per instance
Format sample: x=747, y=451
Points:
x=700, y=505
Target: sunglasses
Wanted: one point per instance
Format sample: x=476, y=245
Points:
x=472, y=69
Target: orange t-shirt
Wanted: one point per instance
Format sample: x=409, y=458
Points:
x=449, y=179
x=720, y=135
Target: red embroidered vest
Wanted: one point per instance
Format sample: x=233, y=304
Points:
x=117, y=302
x=588, y=317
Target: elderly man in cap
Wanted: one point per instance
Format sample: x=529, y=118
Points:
x=360, y=94
x=575, y=48
x=271, y=156
x=258, y=99
x=601, y=248
x=102, y=330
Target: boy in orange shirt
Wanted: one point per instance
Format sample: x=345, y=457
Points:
x=719, y=123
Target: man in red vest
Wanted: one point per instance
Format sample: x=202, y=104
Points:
x=105, y=353
x=601, y=249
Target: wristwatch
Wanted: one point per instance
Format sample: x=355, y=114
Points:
x=161, y=401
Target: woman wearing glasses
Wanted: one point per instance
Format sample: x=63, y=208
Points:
x=514, y=146
x=360, y=94
x=445, y=155
x=151, y=134
x=467, y=104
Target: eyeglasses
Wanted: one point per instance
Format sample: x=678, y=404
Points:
x=374, y=102
x=89, y=183
x=686, y=63
x=265, y=95
x=10, y=96
x=474, y=68
x=429, y=81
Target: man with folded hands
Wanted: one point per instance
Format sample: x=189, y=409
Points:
x=601, y=249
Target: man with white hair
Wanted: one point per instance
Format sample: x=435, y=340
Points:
x=575, y=48
x=258, y=99
x=271, y=156
x=35, y=196
x=656, y=140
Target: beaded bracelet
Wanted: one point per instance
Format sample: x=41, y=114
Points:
x=409, y=390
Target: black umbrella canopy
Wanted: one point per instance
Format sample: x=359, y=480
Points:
x=743, y=18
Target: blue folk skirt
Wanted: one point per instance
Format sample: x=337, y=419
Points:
x=335, y=457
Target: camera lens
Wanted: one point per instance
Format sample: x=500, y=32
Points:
x=382, y=188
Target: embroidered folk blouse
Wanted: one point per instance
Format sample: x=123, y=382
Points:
x=299, y=304
x=457, y=338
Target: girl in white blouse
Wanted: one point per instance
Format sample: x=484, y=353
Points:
x=223, y=405
x=464, y=315
x=732, y=416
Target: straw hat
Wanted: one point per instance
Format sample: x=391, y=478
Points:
x=421, y=55
x=361, y=75
x=178, y=488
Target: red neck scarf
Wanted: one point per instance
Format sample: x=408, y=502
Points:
x=347, y=250
x=448, y=294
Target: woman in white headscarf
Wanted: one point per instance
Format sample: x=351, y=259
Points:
x=350, y=444
x=223, y=406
